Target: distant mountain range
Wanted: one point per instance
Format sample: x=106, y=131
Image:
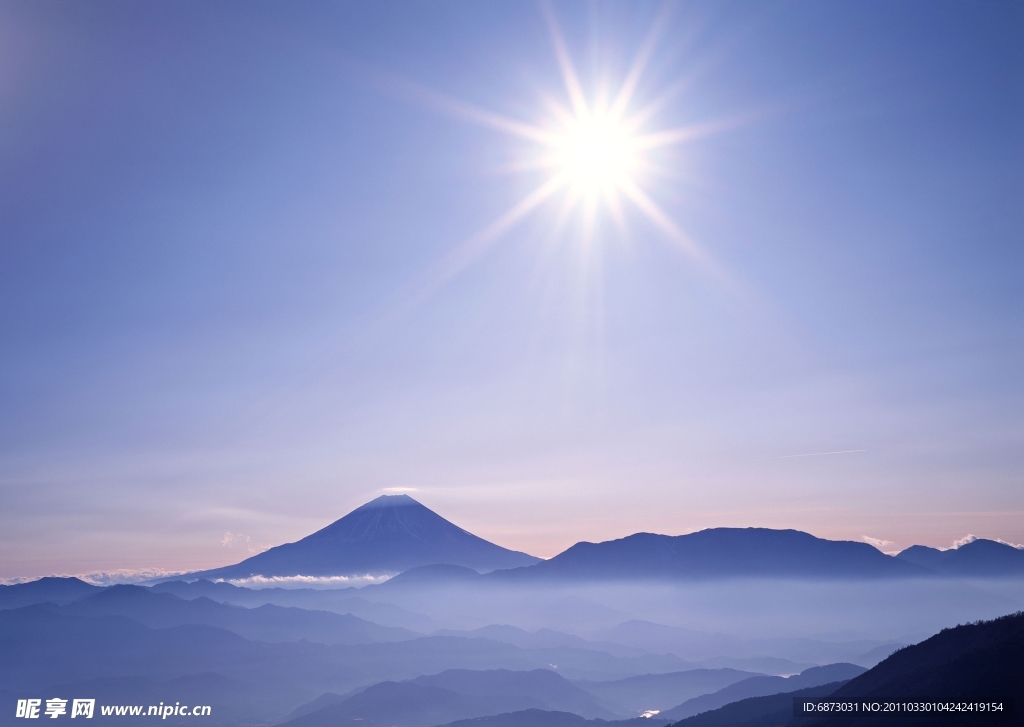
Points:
x=385, y=536
x=168, y=649
x=51, y=589
x=663, y=691
x=455, y=695
x=268, y=622
x=980, y=558
x=275, y=664
x=718, y=553
x=394, y=534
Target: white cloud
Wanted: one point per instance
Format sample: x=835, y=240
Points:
x=305, y=581
x=124, y=575
x=1018, y=546
x=962, y=541
x=399, y=489
x=114, y=577
x=878, y=543
x=231, y=540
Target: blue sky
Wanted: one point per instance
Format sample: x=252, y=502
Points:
x=223, y=323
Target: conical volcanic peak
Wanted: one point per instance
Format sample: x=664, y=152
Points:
x=385, y=536
x=389, y=516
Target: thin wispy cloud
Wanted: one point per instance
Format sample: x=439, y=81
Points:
x=821, y=454
x=105, y=577
x=970, y=538
x=233, y=540
x=305, y=581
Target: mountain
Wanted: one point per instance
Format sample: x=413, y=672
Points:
x=453, y=695
x=698, y=645
x=385, y=536
x=646, y=692
x=43, y=647
x=979, y=558
x=717, y=553
x=972, y=663
x=540, y=639
x=115, y=657
x=762, y=686
x=264, y=623
x=336, y=600
x=769, y=711
x=552, y=690
x=43, y=590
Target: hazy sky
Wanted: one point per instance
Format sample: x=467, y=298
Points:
x=236, y=299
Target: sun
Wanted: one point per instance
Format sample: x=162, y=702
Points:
x=599, y=153
x=596, y=155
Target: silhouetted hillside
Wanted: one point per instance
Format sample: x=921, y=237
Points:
x=699, y=645
x=663, y=691
x=717, y=553
x=541, y=639
x=341, y=600
x=388, y=535
x=264, y=623
x=45, y=590
x=979, y=558
x=768, y=711
x=981, y=662
x=44, y=645
x=428, y=575
x=454, y=695
x=761, y=686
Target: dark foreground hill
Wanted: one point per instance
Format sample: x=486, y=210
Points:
x=717, y=553
x=977, y=559
x=385, y=536
x=762, y=686
x=981, y=662
x=769, y=711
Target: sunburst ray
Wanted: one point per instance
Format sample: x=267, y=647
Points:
x=594, y=152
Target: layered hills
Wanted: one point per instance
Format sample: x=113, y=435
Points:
x=763, y=686
x=395, y=534
x=453, y=695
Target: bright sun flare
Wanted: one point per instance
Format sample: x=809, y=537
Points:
x=596, y=155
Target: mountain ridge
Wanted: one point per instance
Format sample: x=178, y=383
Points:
x=385, y=536
x=978, y=558
x=716, y=553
